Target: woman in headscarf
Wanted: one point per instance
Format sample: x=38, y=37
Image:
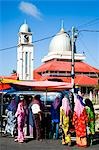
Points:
x=55, y=117
x=80, y=120
x=20, y=114
x=31, y=118
x=65, y=112
x=91, y=119
x=11, y=120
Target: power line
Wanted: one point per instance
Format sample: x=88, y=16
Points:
x=89, y=30
x=7, y=48
x=3, y=49
x=39, y=40
x=92, y=22
x=44, y=39
x=91, y=56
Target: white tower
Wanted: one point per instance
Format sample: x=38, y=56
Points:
x=25, y=53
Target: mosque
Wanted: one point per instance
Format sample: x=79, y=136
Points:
x=56, y=64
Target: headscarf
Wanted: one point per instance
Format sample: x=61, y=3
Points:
x=66, y=106
x=89, y=104
x=36, y=100
x=56, y=102
x=12, y=106
x=79, y=105
x=20, y=106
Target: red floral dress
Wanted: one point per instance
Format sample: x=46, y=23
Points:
x=80, y=123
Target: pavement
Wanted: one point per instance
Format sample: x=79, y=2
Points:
x=7, y=143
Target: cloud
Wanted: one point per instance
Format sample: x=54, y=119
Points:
x=30, y=9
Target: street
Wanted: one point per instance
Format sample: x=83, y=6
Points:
x=7, y=143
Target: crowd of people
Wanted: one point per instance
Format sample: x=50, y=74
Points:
x=71, y=114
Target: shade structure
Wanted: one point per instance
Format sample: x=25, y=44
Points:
x=43, y=85
x=7, y=91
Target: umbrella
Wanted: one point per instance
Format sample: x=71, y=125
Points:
x=43, y=85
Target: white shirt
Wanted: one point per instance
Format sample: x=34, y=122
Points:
x=35, y=108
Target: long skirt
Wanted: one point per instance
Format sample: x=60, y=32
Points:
x=81, y=141
x=11, y=123
x=66, y=138
x=20, y=137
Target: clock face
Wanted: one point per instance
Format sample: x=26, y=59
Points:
x=26, y=38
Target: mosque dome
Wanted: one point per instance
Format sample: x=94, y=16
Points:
x=60, y=42
x=24, y=28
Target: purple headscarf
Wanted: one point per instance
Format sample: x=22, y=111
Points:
x=56, y=102
x=12, y=106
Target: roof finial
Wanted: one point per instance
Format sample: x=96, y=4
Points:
x=62, y=24
x=25, y=22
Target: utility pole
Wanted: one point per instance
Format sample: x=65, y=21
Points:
x=73, y=39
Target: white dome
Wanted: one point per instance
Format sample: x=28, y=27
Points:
x=60, y=43
x=24, y=28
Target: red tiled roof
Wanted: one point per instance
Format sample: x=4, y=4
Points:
x=12, y=76
x=81, y=80
x=85, y=80
x=55, y=65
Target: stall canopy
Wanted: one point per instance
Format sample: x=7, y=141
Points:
x=10, y=90
x=42, y=85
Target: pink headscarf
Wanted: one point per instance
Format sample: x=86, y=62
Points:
x=66, y=106
x=20, y=110
x=56, y=102
x=79, y=107
x=20, y=106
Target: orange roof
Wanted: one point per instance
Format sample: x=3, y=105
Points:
x=81, y=80
x=85, y=80
x=55, y=65
x=63, y=79
x=12, y=76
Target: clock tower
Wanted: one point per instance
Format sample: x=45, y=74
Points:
x=25, y=53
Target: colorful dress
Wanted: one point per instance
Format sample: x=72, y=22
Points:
x=20, y=114
x=65, y=121
x=91, y=125
x=91, y=120
x=80, y=120
x=11, y=120
x=80, y=124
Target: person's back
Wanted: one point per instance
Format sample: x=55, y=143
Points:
x=80, y=120
x=65, y=111
x=91, y=119
x=36, y=110
x=55, y=118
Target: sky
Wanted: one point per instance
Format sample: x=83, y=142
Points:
x=44, y=19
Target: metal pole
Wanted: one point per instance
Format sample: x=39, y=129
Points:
x=72, y=60
x=1, y=111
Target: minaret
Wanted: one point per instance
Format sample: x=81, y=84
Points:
x=25, y=53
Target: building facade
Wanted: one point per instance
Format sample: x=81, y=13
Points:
x=57, y=64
